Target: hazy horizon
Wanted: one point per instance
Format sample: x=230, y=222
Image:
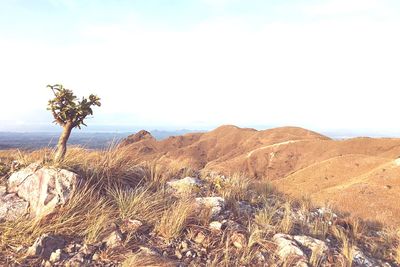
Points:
x=327, y=65
x=167, y=131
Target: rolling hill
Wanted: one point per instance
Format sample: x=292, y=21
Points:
x=358, y=175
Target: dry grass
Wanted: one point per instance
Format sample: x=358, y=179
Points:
x=348, y=248
x=142, y=260
x=235, y=188
x=115, y=188
x=265, y=217
x=286, y=224
x=140, y=203
x=397, y=254
x=174, y=219
x=82, y=216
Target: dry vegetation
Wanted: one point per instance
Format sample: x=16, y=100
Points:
x=115, y=188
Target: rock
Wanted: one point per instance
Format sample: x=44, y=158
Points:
x=44, y=188
x=184, y=245
x=3, y=191
x=95, y=257
x=45, y=245
x=55, y=256
x=77, y=260
x=324, y=213
x=312, y=244
x=215, y=226
x=238, y=240
x=114, y=239
x=134, y=224
x=288, y=251
x=88, y=249
x=178, y=254
x=131, y=226
x=185, y=185
x=360, y=259
x=200, y=237
x=244, y=207
x=215, y=204
x=233, y=226
x=12, y=206
x=148, y=251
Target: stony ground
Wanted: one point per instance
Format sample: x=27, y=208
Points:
x=102, y=211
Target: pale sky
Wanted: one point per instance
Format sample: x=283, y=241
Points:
x=322, y=65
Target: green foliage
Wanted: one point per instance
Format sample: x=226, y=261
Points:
x=67, y=109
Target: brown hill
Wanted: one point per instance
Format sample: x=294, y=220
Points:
x=357, y=175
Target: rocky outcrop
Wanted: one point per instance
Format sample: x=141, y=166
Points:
x=35, y=191
x=43, y=188
x=288, y=250
x=184, y=186
x=215, y=204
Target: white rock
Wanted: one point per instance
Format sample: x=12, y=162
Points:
x=288, y=250
x=185, y=185
x=215, y=226
x=55, y=256
x=216, y=204
x=134, y=225
x=44, y=188
x=114, y=239
x=311, y=243
x=45, y=245
x=361, y=259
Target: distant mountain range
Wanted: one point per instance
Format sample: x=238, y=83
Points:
x=93, y=140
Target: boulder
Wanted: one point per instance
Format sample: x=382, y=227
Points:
x=11, y=206
x=185, y=185
x=288, y=250
x=43, y=188
x=215, y=204
x=45, y=245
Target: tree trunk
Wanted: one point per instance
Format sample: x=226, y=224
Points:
x=62, y=143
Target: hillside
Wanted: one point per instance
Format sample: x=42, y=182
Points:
x=347, y=174
x=101, y=208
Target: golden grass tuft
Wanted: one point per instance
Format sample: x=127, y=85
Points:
x=174, y=219
x=286, y=223
x=140, y=203
x=348, y=248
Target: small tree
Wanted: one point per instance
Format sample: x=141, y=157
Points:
x=69, y=113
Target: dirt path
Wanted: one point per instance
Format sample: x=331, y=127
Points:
x=273, y=145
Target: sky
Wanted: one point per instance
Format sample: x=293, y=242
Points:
x=196, y=64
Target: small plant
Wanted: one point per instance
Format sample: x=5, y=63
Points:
x=69, y=113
